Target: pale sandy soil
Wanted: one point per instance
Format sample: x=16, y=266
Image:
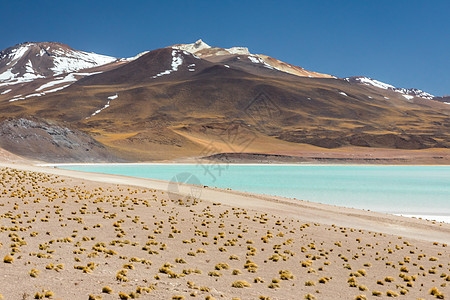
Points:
x=80, y=232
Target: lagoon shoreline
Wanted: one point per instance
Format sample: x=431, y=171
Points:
x=83, y=235
x=338, y=214
x=298, y=193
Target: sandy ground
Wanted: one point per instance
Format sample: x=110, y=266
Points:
x=75, y=235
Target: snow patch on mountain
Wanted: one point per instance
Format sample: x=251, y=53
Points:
x=7, y=75
x=372, y=82
x=408, y=97
x=19, y=64
x=72, y=61
x=134, y=57
x=415, y=92
x=60, y=80
x=254, y=60
x=239, y=50
x=200, y=45
x=55, y=89
x=191, y=68
x=194, y=47
x=17, y=53
x=407, y=93
x=18, y=97
x=70, y=78
x=108, y=104
x=9, y=78
x=258, y=60
x=177, y=60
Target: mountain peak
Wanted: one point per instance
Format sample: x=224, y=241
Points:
x=199, y=42
x=199, y=45
x=192, y=48
x=31, y=60
x=215, y=54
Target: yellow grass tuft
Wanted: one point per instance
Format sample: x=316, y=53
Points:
x=8, y=259
x=286, y=275
x=390, y=293
x=222, y=266
x=377, y=293
x=435, y=292
x=34, y=273
x=258, y=280
x=240, y=284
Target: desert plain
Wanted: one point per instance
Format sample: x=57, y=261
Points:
x=74, y=235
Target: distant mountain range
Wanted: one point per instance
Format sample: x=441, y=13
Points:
x=173, y=102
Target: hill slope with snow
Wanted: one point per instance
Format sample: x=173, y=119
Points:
x=233, y=54
x=407, y=93
x=29, y=61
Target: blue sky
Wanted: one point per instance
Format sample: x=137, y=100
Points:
x=404, y=43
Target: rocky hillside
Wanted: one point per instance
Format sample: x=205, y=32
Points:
x=43, y=141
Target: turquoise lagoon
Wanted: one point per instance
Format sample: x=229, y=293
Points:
x=408, y=190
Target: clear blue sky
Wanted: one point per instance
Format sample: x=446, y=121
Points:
x=402, y=42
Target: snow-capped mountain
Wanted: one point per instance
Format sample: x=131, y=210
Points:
x=170, y=102
x=29, y=61
x=194, y=47
x=36, y=69
x=407, y=93
x=205, y=51
x=200, y=48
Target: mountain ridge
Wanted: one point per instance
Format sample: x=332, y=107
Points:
x=406, y=92
x=27, y=72
x=170, y=103
x=207, y=52
x=45, y=59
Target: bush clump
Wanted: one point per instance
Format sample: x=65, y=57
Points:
x=240, y=284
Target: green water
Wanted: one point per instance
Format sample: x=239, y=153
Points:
x=415, y=190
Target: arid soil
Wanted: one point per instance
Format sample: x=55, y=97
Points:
x=114, y=237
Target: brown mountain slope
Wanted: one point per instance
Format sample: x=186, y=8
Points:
x=169, y=104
